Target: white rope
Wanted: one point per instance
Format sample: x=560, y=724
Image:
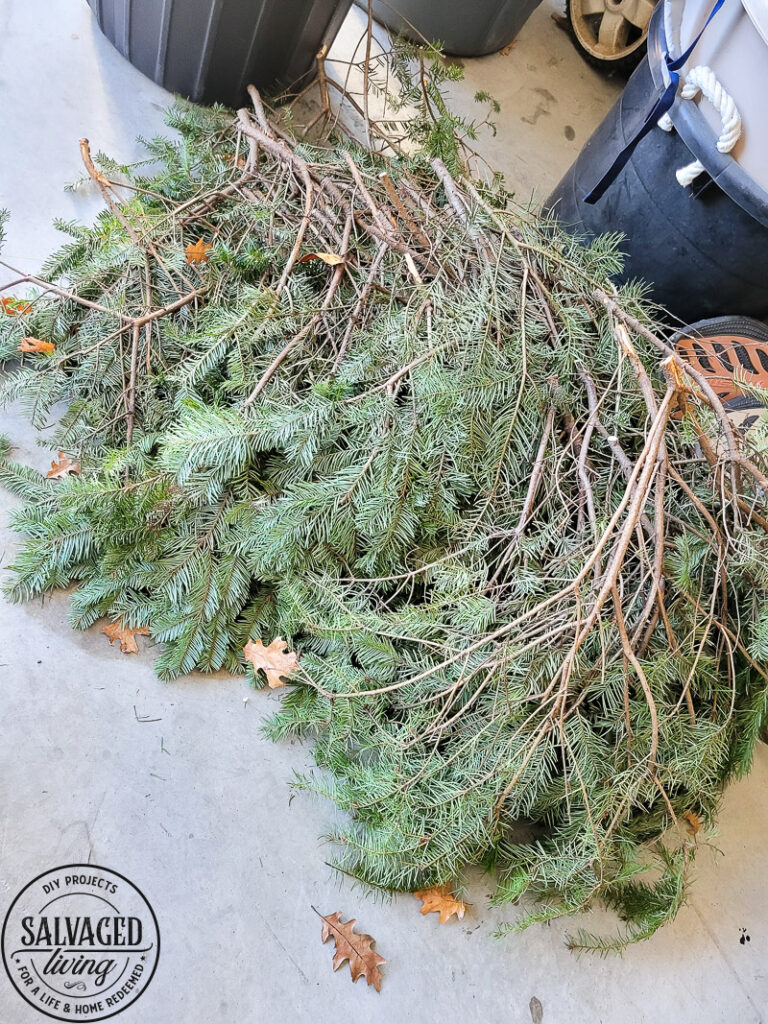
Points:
x=703, y=80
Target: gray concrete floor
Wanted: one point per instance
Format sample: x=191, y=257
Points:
x=194, y=807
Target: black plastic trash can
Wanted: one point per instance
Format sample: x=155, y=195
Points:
x=465, y=30
x=702, y=249
x=211, y=50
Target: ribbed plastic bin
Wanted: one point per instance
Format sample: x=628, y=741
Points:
x=464, y=29
x=211, y=50
x=703, y=249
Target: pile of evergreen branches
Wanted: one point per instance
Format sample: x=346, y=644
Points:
x=514, y=541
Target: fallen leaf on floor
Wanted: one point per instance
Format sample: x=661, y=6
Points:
x=694, y=822
x=537, y=1010
x=198, y=253
x=274, y=661
x=126, y=635
x=357, y=949
x=63, y=467
x=14, y=307
x=440, y=899
x=327, y=257
x=508, y=48
x=36, y=345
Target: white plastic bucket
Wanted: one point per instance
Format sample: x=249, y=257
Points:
x=735, y=46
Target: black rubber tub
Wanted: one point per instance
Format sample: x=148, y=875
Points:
x=464, y=29
x=703, y=250
x=210, y=50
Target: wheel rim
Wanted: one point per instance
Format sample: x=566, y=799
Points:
x=610, y=30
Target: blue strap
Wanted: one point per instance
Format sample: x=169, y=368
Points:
x=662, y=105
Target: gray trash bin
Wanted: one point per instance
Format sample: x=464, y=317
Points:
x=210, y=50
x=464, y=29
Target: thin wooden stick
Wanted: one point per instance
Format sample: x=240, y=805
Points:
x=397, y=202
x=107, y=191
x=338, y=272
x=131, y=402
x=63, y=294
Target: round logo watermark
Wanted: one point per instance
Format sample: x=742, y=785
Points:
x=80, y=943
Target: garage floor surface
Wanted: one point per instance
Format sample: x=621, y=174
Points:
x=193, y=805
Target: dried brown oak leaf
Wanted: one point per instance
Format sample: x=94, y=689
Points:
x=126, y=635
x=63, y=467
x=358, y=949
x=274, y=661
x=36, y=345
x=440, y=899
x=693, y=821
x=198, y=253
x=327, y=257
x=14, y=307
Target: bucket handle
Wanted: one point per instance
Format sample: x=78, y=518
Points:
x=702, y=79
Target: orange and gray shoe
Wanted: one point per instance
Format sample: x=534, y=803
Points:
x=730, y=351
